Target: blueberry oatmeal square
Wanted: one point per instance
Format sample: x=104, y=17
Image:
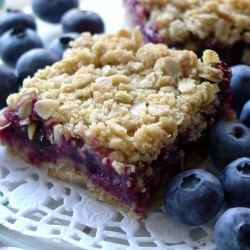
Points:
x=122, y=116
x=223, y=26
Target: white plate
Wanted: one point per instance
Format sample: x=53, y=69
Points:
x=39, y=212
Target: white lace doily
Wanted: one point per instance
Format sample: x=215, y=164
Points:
x=44, y=207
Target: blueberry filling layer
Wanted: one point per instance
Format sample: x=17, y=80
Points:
x=130, y=187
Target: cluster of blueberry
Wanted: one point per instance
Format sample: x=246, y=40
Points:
x=196, y=196
x=21, y=48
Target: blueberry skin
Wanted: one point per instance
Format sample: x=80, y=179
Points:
x=245, y=114
x=79, y=21
x=60, y=44
x=8, y=84
x=194, y=197
x=240, y=87
x=14, y=42
x=15, y=18
x=228, y=141
x=232, y=230
x=32, y=60
x=52, y=10
x=235, y=180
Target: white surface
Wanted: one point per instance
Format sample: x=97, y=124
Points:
x=45, y=213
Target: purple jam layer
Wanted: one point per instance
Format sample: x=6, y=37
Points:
x=231, y=54
x=89, y=160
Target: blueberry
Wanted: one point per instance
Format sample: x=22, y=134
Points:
x=52, y=10
x=240, y=87
x=245, y=114
x=228, y=141
x=60, y=44
x=32, y=60
x=16, y=18
x=79, y=21
x=235, y=180
x=232, y=230
x=194, y=197
x=8, y=84
x=14, y=42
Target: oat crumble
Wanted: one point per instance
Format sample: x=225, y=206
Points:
x=220, y=25
x=115, y=92
x=178, y=20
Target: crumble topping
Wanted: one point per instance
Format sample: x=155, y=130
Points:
x=226, y=21
x=125, y=97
